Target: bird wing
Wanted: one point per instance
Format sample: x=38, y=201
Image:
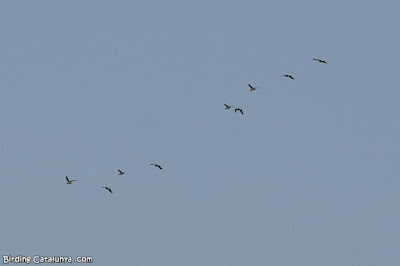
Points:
x=109, y=189
x=238, y=109
x=67, y=178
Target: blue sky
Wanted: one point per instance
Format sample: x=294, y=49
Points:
x=309, y=175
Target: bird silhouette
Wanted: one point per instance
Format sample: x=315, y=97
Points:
x=227, y=107
x=320, y=61
x=120, y=172
x=156, y=165
x=287, y=76
x=240, y=110
x=252, y=88
x=69, y=181
x=109, y=189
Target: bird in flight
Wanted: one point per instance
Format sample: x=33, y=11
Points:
x=156, y=165
x=69, y=181
x=240, y=110
x=109, y=189
x=227, y=107
x=287, y=76
x=252, y=88
x=320, y=61
x=120, y=172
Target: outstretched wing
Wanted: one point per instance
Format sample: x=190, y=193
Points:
x=67, y=178
x=287, y=76
x=320, y=60
x=109, y=189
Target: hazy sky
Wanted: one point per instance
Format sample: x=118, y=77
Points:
x=309, y=175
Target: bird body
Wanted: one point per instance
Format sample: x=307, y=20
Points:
x=120, y=172
x=69, y=182
x=227, y=107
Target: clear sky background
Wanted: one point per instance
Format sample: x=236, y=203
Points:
x=309, y=175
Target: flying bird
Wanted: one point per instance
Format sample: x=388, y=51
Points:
x=109, y=189
x=69, y=181
x=252, y=88
x=240, y=110
x=287, y=76
x=320, y=61
x=227, y=107
x=156, y=165
x=120, y=172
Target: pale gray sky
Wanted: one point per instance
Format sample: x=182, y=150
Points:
x=309, y=175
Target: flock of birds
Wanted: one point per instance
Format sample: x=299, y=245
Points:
x=227, y=107
x=252, y=88
x=120, y=172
